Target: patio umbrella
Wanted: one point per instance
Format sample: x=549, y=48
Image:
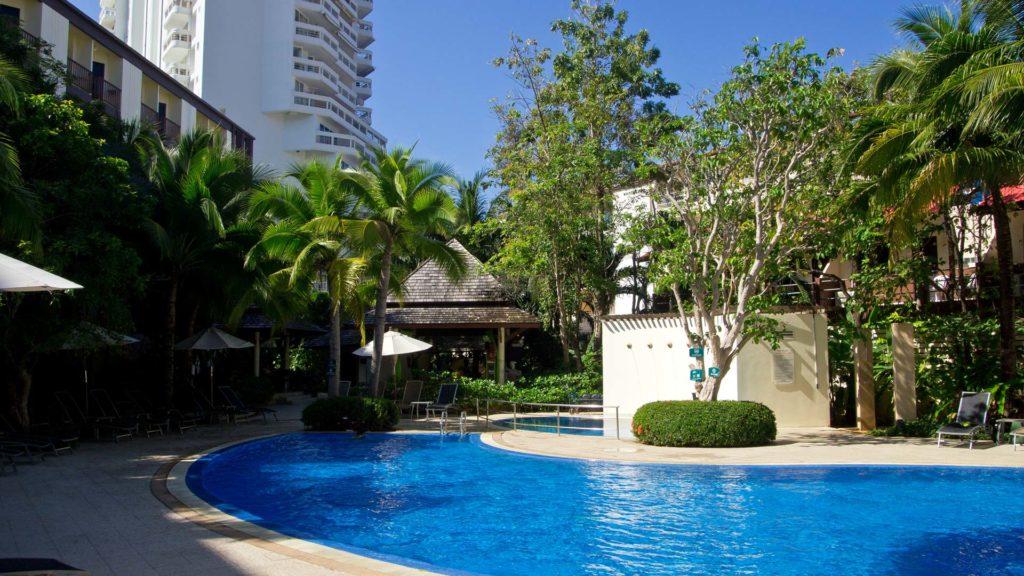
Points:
x=212, y=339
x=88, y=336
x=395, y=344
x=17, y=276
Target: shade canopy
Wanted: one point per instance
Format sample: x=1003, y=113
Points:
x=17, y=276
x=88, y=336
x=395, y=344
x=212, y=338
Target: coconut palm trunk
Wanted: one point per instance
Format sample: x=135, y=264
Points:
x=1007, y=303
x=380, y=312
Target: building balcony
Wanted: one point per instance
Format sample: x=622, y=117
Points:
x=330, y=107
x=182, y=75
x=87, y=87
x=363, y=7
x=365, y=114
x=322, y=12
x=364, y=63
x=364, y=88
x=177, y=14
x=177, y=46
x=107, y=17
x=168, y=129
x=337, y=144
x=364, y=34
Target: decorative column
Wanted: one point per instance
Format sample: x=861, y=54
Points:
x=863, y=361
x=500, y=360
x=904, y=391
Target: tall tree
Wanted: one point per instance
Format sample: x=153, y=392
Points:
x=748, y=179
x=941, y=122
x=569, y=138
x=407, y=212
x=306, y=235
x=199, y=187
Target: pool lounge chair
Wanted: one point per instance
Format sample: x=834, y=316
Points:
x=971, y=417
x=73, y=413
x=239, y=407
x=139, y=420
x=445, y=399
x=410, y=394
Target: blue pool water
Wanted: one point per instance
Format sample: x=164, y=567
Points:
x=459, y=506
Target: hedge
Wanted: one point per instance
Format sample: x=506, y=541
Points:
x=351, y=413
x=718, y=424
x=546, y=388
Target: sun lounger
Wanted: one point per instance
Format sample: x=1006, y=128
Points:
x=971, y=417
x=108, y=410
x=411, y=394
x=445, y=399
x=241, y=410
x=55, y=444
x=71, y=412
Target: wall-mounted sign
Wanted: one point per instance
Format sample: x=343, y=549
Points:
x=697, y=375
x=714, y=372
x=696, y=352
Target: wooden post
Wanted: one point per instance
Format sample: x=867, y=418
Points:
x=500, y=360
x=256, y=357
x=904, y=393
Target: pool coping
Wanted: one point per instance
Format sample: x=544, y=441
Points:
x=169, y=486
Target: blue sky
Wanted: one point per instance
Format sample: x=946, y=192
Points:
x=434, y=83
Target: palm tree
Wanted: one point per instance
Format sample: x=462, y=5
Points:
x=930, y=132
x=306, y=234
x=470, y=203
x=408, y=212
x=18, y=218
x=199, y=189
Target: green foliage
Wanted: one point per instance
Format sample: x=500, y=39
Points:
x=569, y=139
x=921, y=428
x=561, y=388
x=710, y=424
x=749, y=179
x=351, y=413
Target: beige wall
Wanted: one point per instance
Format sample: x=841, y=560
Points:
x=640, y=366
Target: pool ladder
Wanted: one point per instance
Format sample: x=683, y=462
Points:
x=446, y=424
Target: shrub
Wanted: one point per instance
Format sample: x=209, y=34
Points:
x=719, y=424
x=351, y=413
x=922, y=428
x=545, y=388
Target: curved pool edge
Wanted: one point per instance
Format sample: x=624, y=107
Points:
x=168, y=484
x=824, y=447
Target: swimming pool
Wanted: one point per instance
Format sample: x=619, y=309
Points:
x=460, y=506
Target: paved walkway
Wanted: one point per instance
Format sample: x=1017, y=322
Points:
x=96, y=509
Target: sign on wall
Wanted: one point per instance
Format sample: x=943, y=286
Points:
x=696, y=352
x=697, y=375
x=714, y=372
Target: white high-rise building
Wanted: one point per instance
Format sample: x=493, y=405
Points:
x=293, y=72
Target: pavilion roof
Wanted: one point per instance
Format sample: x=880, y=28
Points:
x=431, y=300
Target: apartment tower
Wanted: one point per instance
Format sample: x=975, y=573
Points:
x=293, y=72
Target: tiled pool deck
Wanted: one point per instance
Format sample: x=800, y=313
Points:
x=122, y=509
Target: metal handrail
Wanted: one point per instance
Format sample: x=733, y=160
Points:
x=558, y=413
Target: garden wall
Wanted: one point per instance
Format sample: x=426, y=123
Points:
x=646, y=359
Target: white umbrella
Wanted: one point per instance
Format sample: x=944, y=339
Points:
x=17, y=276
x=395, y=343
x=88, y=336
x=212, y=338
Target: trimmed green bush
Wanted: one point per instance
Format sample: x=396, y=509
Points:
x=351, y=413
x=719, y=424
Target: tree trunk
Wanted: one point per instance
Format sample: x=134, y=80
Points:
x=23, y=389
x=563, y=331
x=1007, y=304
x=379, y=317
x=167, y=350
x=333, y=380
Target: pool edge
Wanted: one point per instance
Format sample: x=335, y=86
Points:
x=168, y=485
